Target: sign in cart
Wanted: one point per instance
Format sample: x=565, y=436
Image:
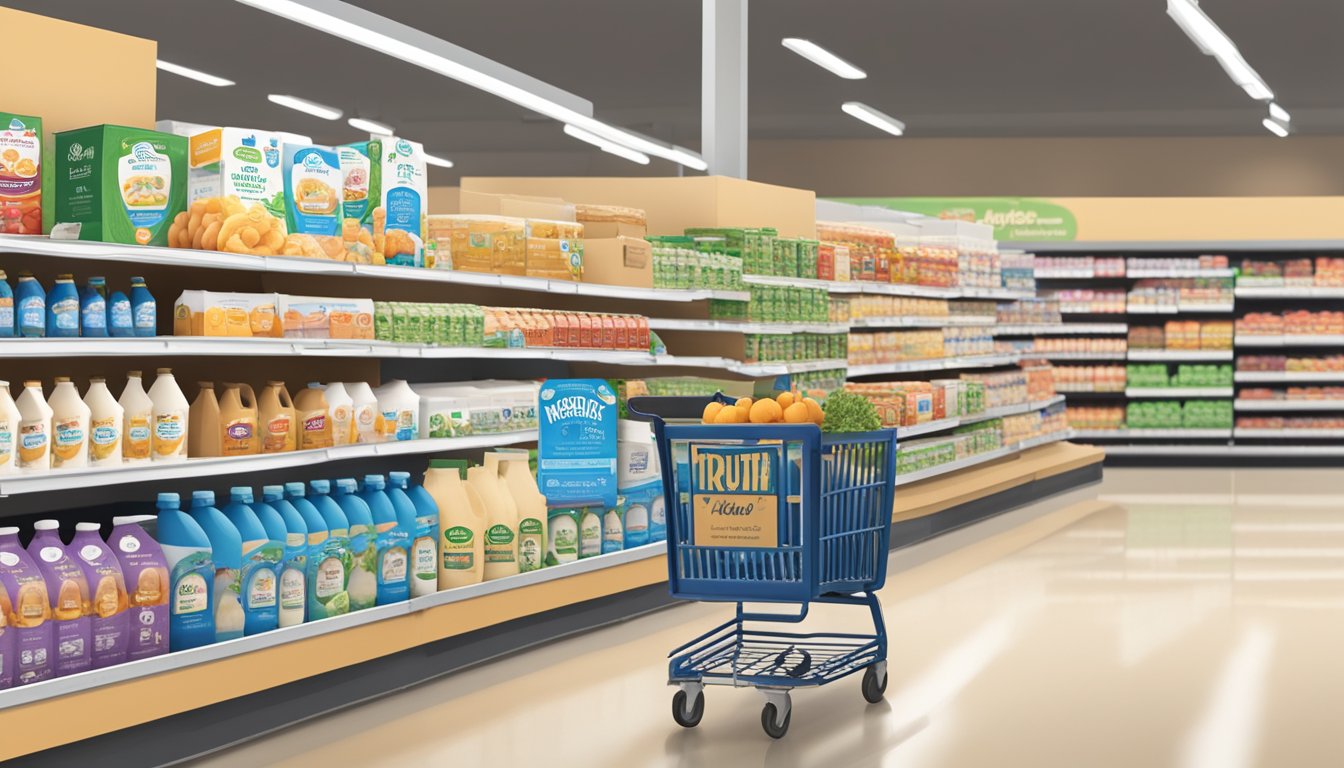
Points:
x=735, y=495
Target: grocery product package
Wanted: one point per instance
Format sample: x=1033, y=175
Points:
x=20, y=174
x=576, y=446
x=404, y=198
x=314, y=317
x=640, y=509
x=554, y=249
x=313, y=190
x=237, y=162
x=119, y=184
x=209, y=313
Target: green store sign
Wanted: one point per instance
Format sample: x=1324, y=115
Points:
x=1013, y=218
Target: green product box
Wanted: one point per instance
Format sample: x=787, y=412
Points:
x=119, y=184
x=382, y=321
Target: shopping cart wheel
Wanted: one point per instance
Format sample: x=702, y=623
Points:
x=775, y=727
x=688, y=717
x=875, y=682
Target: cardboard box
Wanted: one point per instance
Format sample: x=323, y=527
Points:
x=119, y=185
x=624, y=261
x=517, y=206
x=607, y=229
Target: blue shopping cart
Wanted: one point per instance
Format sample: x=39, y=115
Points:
x=778, y=513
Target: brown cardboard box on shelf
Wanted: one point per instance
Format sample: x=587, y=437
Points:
x=518, y=206
x=608, y=229
x=626, y=261
x=675, y=203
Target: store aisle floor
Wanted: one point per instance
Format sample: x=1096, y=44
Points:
x=1164, y=617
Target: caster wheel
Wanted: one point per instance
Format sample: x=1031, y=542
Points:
x=768, y=724
x=873, y=688
x=687, y=717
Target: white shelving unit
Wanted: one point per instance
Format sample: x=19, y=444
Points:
x=1289, y=405
x=934, y=364
x=1291, y=340
x=1139, y=274
x=1170, y=434
x=1062, y=329
x=1291, y=434
x=1181, y=355
x=1255, y=451
x=1288, y=292
x=1176, y=393
x=1075, y=355
x=1286, y=377
x=912, y=321
x=744, y=326
x=993, y=413
x=1184, y=308
x=980, y=458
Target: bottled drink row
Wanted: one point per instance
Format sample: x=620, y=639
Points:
x=30, y=311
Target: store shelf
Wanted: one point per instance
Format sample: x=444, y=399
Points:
x=1288, y=405
x=1291, y=434
x=1094, y=392
x=1066, y=274
x=1180, y=355
x=1062, y=329
x=1256, y=451
x=934, y=364
x=1291, y=340
x=1074, y=311
x=13, y=485
x=744, y=326
x=1139, y=274
x=940, y=425
x=1175, y=434
x=1177, y=392
x=1074, y=355
x=894, y=289
x=1171, y=246
x=789, y=282
x=981, y=458
x=1288, y=292
x=182, y=257
x=1143, y=309
x=746, y=369
x=1284, y=377
x=912, y=321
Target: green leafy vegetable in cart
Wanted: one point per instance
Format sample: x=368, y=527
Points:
x=848, y=412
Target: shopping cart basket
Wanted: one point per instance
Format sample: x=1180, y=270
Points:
x=777, y=513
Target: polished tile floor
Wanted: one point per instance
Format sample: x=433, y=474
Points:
x=1161, y=618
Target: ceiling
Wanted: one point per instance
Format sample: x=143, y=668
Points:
x=947, y=68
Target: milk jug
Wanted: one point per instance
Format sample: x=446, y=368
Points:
x=363, y=552
x=501, y=529
x=313, y=417
x=398, y=411
x=106, y=417
x=9, y=431
x=342, y=414
x=423, y=532
x=68, y=591
x=203, y=433
x=364, y=412
x=238, y=421
x=461, y=523
x=186, y=548
x=276, y=419
x=34, y=429
x=226, y=547
x=168, y=422
x=258, y=581
x=531, y=505
x=145, y=571
x=293, y=571
x=136, y=427
x=110, y=621
x=328, y=593
x=69, y=427
x=391, y=541
x=29, y=614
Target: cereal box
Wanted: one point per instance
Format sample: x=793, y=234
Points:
x=20, y=174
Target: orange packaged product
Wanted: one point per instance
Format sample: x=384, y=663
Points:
x=622, y=324
x=20, y=174
x=560, y=329
x=586, y=331
x=608, y=332
x=641, y=342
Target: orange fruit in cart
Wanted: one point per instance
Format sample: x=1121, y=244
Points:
x=797, y=414
x=814, y=410
x=785, y=399
x=727, y=416
x=744, y=402
x=765, y=411
x=711, y=410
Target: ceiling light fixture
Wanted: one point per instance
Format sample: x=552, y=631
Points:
x=823, y=58
x=439, y=161
x=380, y=129
x=305, y=106
x=874, y=118
x=1212, y=41
x=606, y=146
x=194, y=74
x=1279, y=113
x=1276, y=128
x=293, y=138
x=413, y=46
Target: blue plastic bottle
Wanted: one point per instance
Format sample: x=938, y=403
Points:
x=337, y=550
x=325, y=578
x=120, y=322
x=144, y=311
x=93, y=308
x=30, y=301
x=294, y=570
x=63, y=308
x=262, y=552
x=424, y=577
x=363, y=552
x=7, y=323
x=191, y=569
x=227, y=545
x=392, y=542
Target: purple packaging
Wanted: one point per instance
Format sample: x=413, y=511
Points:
x=27, y=611
x=110, y=621
x=69, y=592
x=144, y=571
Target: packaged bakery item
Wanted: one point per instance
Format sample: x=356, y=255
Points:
x=237, y=162
x=313, y=190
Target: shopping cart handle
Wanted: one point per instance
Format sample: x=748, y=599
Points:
x=648, y=408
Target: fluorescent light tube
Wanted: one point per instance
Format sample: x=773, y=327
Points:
x=823, y=58
x=874, y=118
x=194, y=74
x=363, y=27
x=371, y=126
x=305, y=106
x=293, y=138
x=1212, y=41
x=606, y=146
x=1279, y=113
x=439, y=161
x=1275, y=128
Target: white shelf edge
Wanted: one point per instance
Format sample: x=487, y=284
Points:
x=1178, y=434
x=1310, y=434
x=1284, y=377
x=1061, y=329
x=1091, y=247
x=1288, y=292
x=934, y=364
x=1291, y=340
x=1225, y=450
x=744, y=326
x=913, y=321
x=1118, y=356
x=1143, y=274
x=1177, y=392
x=980, y=458
x=1288, y=405
x=1180, y=355
x=929, y=427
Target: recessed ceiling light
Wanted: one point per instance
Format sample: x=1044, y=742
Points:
x=305, y=106
x=1279, y=113
x=823, y=58
x=194, y=74
x=609, y=147
x=1275, y=128
x=874, y=118
x=371, y=126
x=1212, y=41
x=439, y=161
